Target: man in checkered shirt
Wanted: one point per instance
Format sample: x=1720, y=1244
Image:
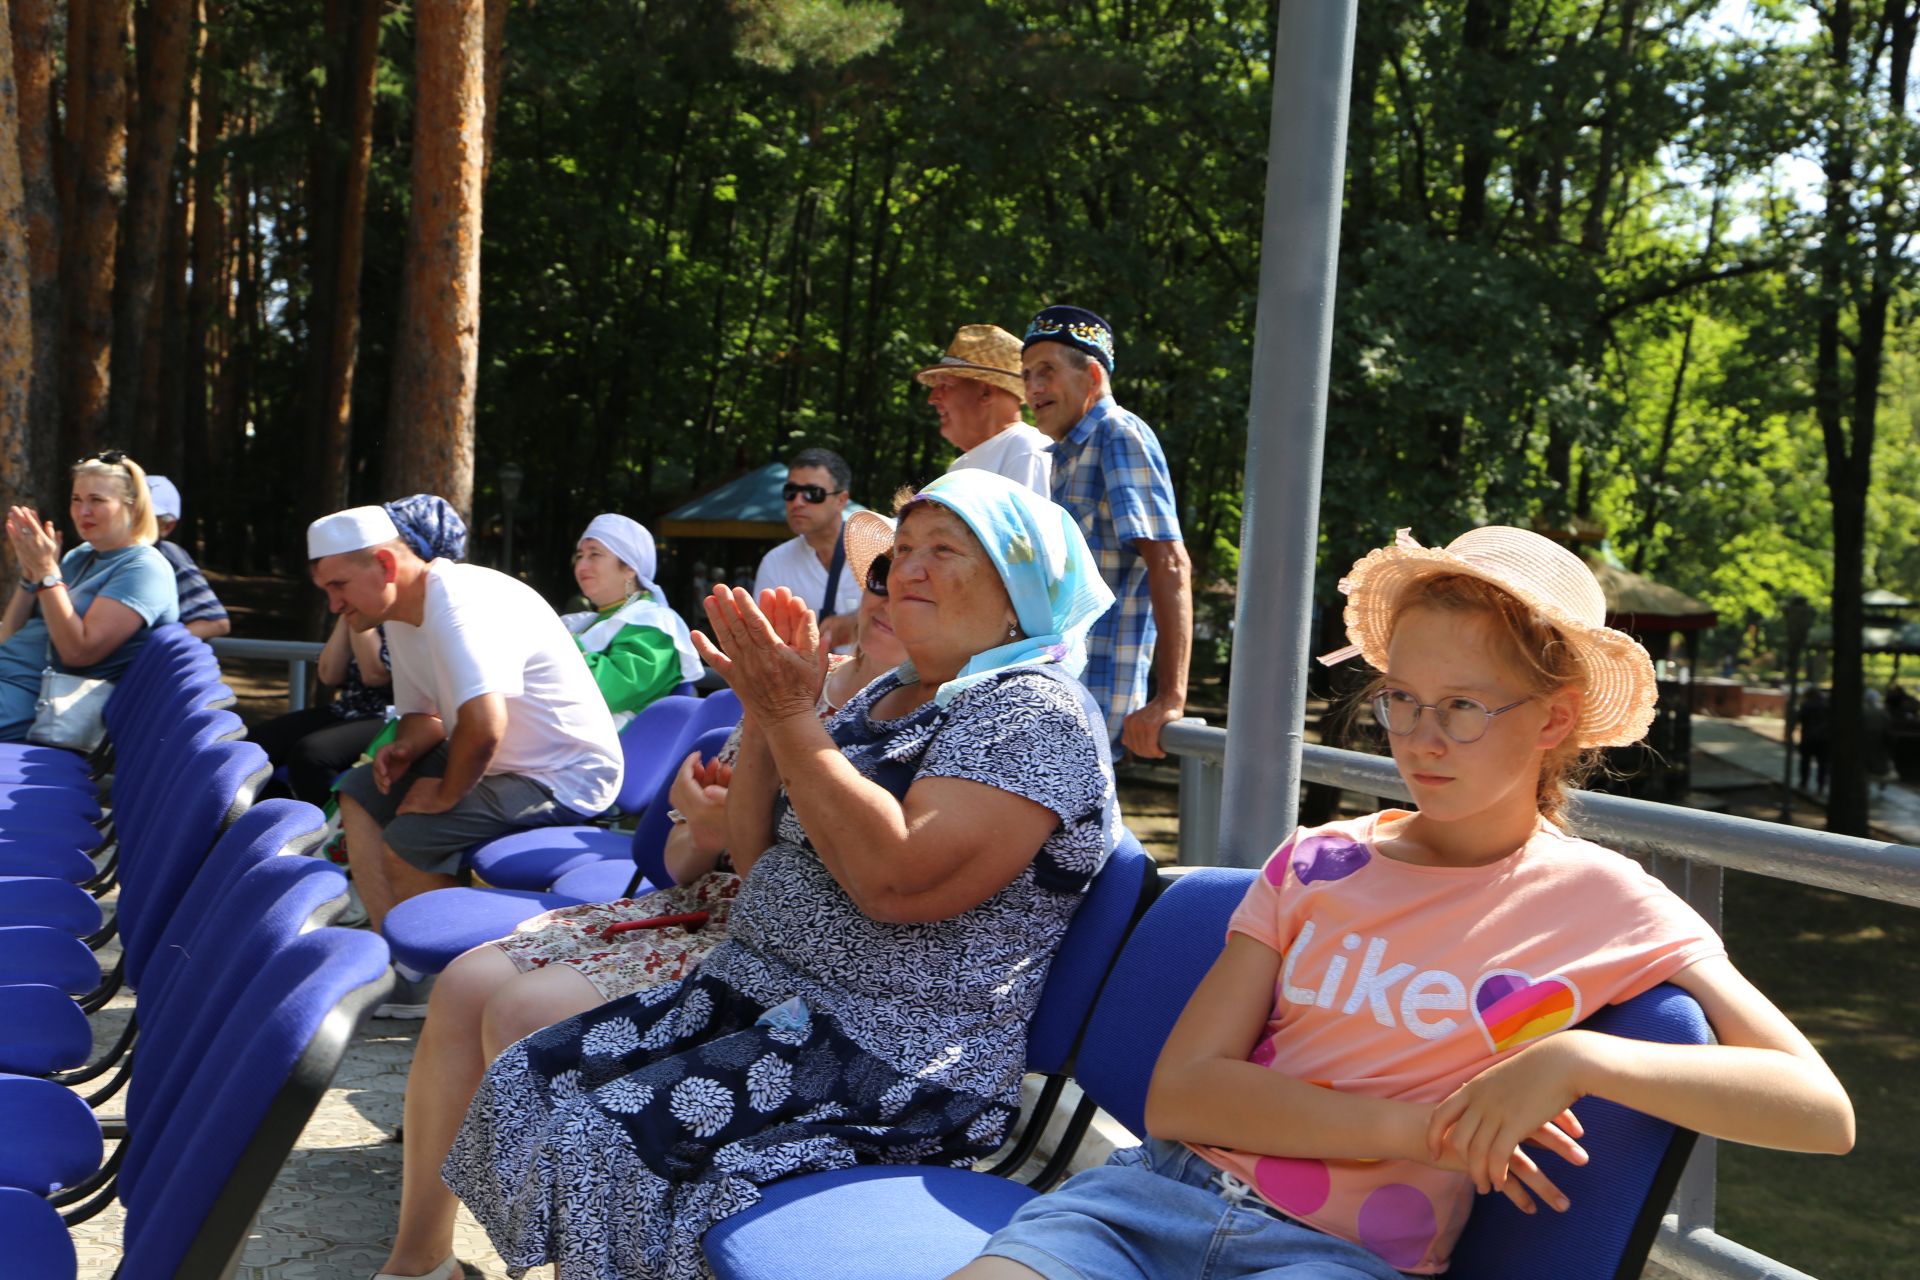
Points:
x=1109, y=471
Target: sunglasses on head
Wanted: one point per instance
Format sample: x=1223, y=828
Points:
x=877, y=574
x=814, y=493
x=112, y=457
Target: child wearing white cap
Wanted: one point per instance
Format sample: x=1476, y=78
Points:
x=200, y=609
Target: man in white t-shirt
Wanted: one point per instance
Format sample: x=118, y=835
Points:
x=976, y=390
x=501, y=725
x=816, y=498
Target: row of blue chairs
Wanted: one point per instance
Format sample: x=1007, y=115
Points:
x=529, y=872
x=241, y=1012
x=922, y=1223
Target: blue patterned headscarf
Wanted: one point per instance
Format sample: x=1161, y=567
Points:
x=1045, y=563
x=429, y=524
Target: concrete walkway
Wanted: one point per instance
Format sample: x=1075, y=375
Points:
x=1751, y=752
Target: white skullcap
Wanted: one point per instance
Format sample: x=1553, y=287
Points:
x=166, y=498
x=354, y=529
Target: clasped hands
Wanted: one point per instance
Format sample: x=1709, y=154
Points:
x=1524, y=1100
x=36, y=543
x=769, y=653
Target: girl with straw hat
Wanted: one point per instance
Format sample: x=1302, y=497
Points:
x=1397, y=1008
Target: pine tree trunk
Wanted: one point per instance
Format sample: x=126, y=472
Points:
x=31, y=22
x=99, y=180
x=206, y=289
x=16, y=311
x=165, y=29
x=338, y=206
x=437, y=352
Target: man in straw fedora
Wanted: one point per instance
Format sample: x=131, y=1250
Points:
x=977, y=390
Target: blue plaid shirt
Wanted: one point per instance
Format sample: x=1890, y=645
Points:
x=197, y=601
x=1110, y=472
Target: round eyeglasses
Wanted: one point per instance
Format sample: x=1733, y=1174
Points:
x=877, y=573
x=1462, y=719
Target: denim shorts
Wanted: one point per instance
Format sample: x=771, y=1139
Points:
x=1160, y=1212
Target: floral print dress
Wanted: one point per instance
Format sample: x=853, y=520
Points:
x=814, y=1038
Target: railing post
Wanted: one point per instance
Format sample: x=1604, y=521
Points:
x=297, y=685
x=1700, y=884
x=1200, y=779
x=1286, y=424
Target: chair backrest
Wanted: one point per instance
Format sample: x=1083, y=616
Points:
x=207, y=1170
x=647, y=748
x=650, y=835
x=1618, y=1197
x=1094, y=937
x=1166, y=955
x=159, y=855
x=269, y=829
x=280, y=898
x=718, y=710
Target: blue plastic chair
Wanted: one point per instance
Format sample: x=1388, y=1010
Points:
x=653, y=744
x=37, y=1240
x=849, y=1215
x=429, y=931
x=905, y=1224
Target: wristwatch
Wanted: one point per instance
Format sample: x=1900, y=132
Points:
x=51, y=580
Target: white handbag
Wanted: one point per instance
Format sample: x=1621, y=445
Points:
x=70, y=711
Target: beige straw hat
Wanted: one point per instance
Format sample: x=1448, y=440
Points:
x=869, y=535
x=985, y=352
x=1617, y=708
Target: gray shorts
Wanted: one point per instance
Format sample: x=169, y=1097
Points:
x=437, y=842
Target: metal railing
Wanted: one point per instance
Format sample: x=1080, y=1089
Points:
x=295, y=653
x=1689, y=849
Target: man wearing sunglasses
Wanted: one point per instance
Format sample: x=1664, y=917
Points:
x=813, y=563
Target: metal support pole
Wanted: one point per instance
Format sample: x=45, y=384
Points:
x=1286, y=424
x=297, y=685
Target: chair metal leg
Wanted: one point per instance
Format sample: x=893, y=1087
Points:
x=105, y=1062
x=1036, y=1126
x=108, y=988
x=1056, y=1167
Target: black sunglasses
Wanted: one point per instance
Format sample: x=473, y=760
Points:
x=112, y=457
x=813, y=493
x=877, y=574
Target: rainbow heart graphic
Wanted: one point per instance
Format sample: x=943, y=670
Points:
x=1513, y=1007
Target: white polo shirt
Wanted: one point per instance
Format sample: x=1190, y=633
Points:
x=793, y=565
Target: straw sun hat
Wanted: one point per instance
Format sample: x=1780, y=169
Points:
x=985, y=352
x=869, y=535
x=1617, y=708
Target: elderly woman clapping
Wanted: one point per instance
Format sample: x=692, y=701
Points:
x=920, y=867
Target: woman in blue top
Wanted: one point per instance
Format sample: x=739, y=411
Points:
x=87, y=612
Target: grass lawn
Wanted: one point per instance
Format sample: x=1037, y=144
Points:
x=1847, y=971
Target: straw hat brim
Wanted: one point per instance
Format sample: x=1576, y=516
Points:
x=869, y=535
x=984, y=373
x=1617, y=707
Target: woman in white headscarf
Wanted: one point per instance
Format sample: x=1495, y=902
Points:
x=637, y=648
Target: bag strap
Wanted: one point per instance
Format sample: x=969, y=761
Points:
x=834, y=571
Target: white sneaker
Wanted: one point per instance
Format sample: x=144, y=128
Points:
x=408, y=1001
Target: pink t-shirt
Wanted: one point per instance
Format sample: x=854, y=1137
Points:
x=1403, y=981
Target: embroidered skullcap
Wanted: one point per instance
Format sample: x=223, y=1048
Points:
x=429, y=524
x=1076, y=327
x=166, y=497
x=354, y=529
x=629, y=540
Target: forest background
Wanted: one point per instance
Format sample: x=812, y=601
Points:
x=1640, y=267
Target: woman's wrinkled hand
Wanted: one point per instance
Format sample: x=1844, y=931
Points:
x=699, y=794
x=769, y=653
